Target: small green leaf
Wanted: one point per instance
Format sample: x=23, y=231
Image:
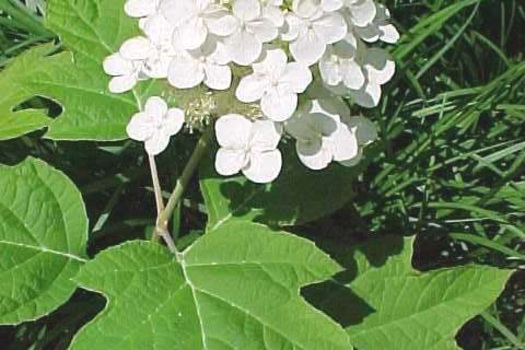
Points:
x=391, y=306
x=298, y=196
x=235, y=288
x=43, y=235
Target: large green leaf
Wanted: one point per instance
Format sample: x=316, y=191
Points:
x=389, y=305
x=16, y=89
x=235, y=288
x=90, y=30
x=43, y=235
x=298, y=196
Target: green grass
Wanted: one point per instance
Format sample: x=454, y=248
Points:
x=451, y=163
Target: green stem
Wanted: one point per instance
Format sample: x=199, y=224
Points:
x=180, y=188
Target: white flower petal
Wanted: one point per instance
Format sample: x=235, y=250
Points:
x=141, y=127
x=343, y=144
x=263, y=29
x=264, y=167
x=354, y=161
x=379, y=66
x=300, y=129
x=244, y=47
x=365, y=130
x=369, y=33
x=191, y=34
x=220, y=22
x=117, y=65
x=178, y=11
x=137, y=48
x=273, y=63
x=185, y=73
x=330, y=28
x=173, y=121
x=362, y=11
x=140, y=8
x=274, y=14
x=158, y=29
x=229, y=162
x=308, y=48
x=332, y=5
x=218, y=77
x=246, y=10
x=156, y=107
x=157, y=144
x=306, y=8
x=122, y=83
x=330, y=71
x=368, y=96
x=218, y=51
x=277, y=106
x=266, y=135
x=297, y=77
x=292, y=26
x=252, y=88
x=233, y=131
x=158, y=67
x=353, y=76
x=389, y=34
x=313, y=154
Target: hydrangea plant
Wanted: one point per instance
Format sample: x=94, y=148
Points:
x=281, y=87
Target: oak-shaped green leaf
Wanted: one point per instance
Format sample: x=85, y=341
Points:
x=298, y=196
x=388, y=305
x=234, y=288
x=16, y=86
x=43, y=235
x=89, y=30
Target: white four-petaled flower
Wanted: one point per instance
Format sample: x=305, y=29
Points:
x=194, y=20
x=276, y=82
x=125, y=72
x=310, y=30
x=246, y=43
x=378, y=68
x=249, y=147
x=154, y=50
x=339, y=66
x=155, y=125
x=380, y=28
x=321, y=136
x=208, y=64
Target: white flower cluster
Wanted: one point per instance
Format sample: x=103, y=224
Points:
x=286, y=45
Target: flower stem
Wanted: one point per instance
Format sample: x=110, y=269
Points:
x=156, y=184
x=182, y=183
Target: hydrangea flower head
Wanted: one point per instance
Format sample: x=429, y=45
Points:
x=248, y=66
